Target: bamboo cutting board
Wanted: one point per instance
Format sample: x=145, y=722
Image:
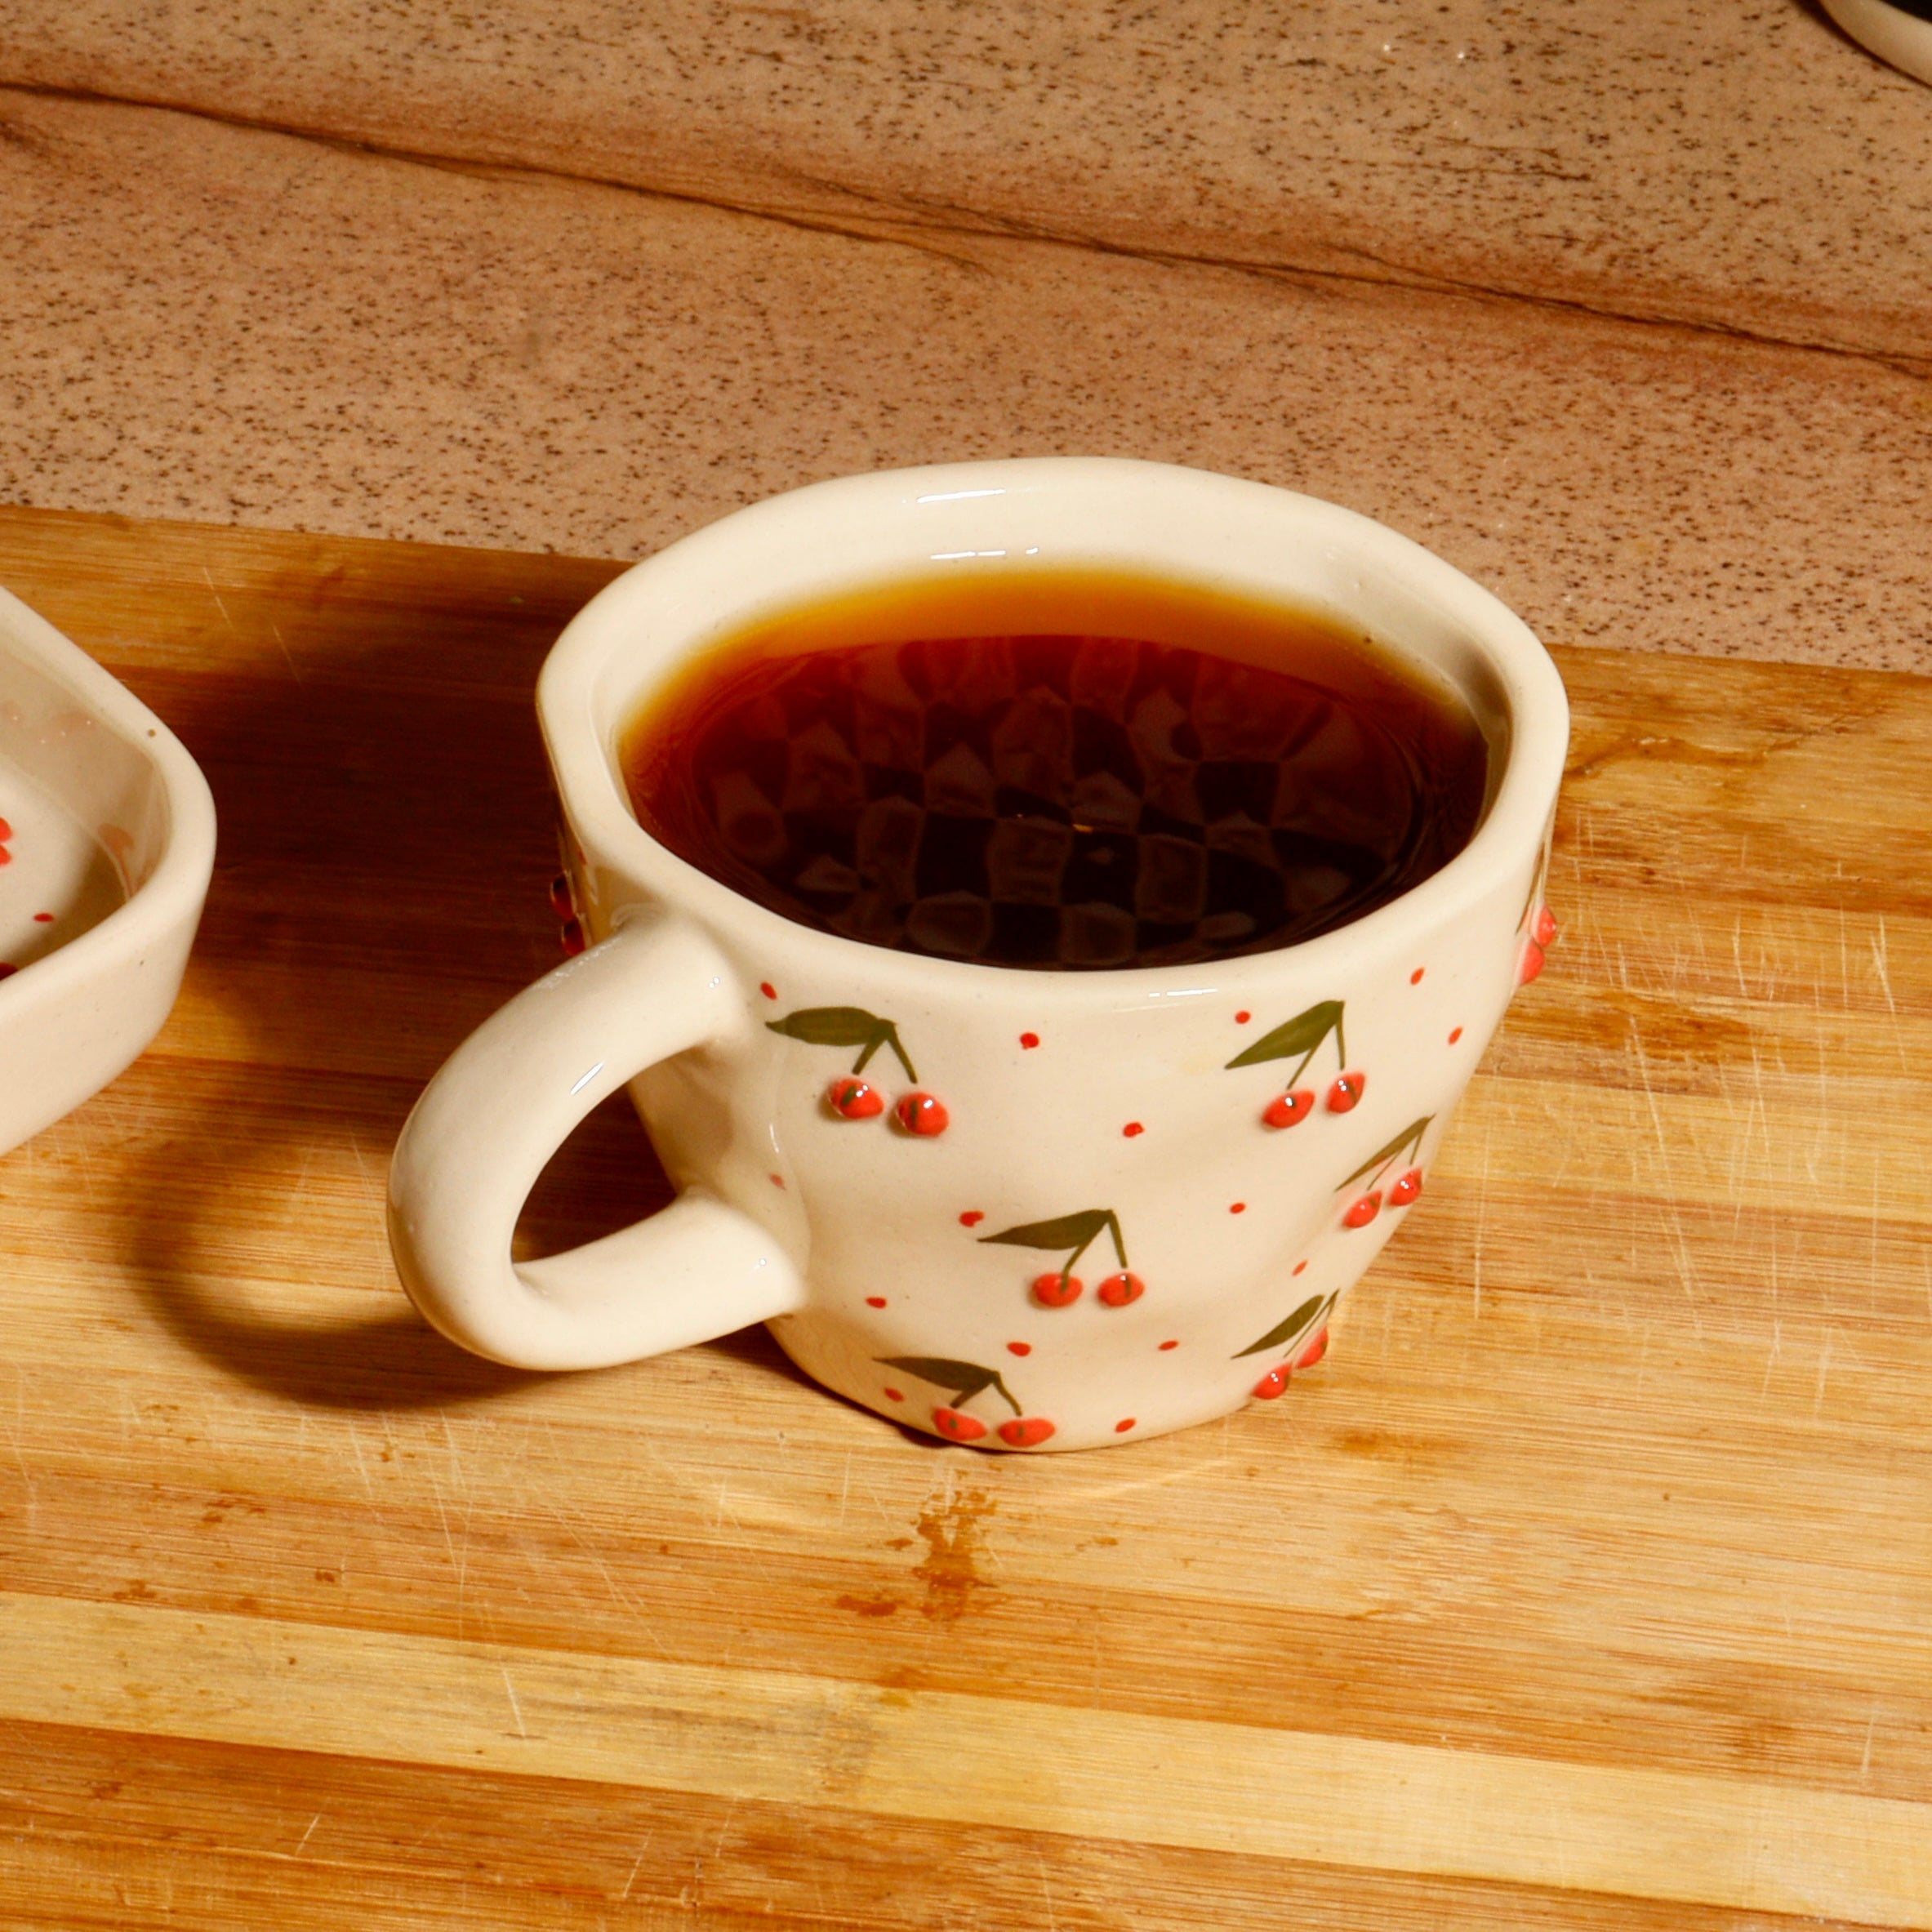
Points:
x=1587, y=1583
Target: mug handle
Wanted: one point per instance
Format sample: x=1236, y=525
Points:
x=504, y=1103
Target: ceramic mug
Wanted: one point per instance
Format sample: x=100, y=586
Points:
x=1220, y=1150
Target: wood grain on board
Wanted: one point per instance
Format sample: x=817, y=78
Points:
x=1587, y=1583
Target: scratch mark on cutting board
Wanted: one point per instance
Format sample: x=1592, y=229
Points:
x=1674, y=1227
x=280, y=645
x=1046, y=1887
x=355, y=1443
x=1824, y=1365
x=449, y=1543
x=516, y=1710
x=1881, y=946
x=219, y=605
x=634, y=1863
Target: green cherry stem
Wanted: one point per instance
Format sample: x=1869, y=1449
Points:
x=1409, y=1142
x=1112, y=1225
x=887, y=1036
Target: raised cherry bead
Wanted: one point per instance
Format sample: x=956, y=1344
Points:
x=1286, y=1109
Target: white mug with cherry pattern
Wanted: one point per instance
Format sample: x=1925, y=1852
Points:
x=1021, y=1209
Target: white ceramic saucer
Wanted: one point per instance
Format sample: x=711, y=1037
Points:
x=107, y=840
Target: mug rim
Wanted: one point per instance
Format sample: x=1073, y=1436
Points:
x=664, y=595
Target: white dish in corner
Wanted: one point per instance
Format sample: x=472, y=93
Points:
x=110, y=842
x=1898, y=31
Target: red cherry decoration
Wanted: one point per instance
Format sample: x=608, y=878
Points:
x=1530, y=964
x=923, y=1114
x=956, y=1426
x=573, y=937
x=1057, y=1291
x=1271, y=1385
x=1025, y=1431
x=1544, y=928
x=1118, y=1290
x=1314, y=1352
x=561, y=903
x=853, y=1099
x=1361, y=1213
x=1345, y=1091
x=1286, y=1109
x=1405, y=1190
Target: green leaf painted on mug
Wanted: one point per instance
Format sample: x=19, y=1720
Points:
x=1286, y=1331
x=843, y=1026
x=962, y=1380
x=1409, y=1140
x=1068, y=1231
x=1074, y=1233
x=1296, y=1039
x=830, y=1025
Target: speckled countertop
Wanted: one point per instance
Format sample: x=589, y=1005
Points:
x=1629, y=315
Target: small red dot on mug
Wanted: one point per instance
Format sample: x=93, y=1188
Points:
x=1028, y=1039
x=1175, y=1343
x=1124, y=1425
x=1132, y=1129
x=1019, y=1348
x=1237, y=1207
x=893, y=1395
x=1300, y=1266
x=1415, y=978
x=1456, y=1035
x=43, y=919
x=769, y=991
x=777, y=1180
x=874, y=1300
x=1243, y=1018
x=972, y=1218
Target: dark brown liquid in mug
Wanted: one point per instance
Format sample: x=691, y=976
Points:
x=1058, y=770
